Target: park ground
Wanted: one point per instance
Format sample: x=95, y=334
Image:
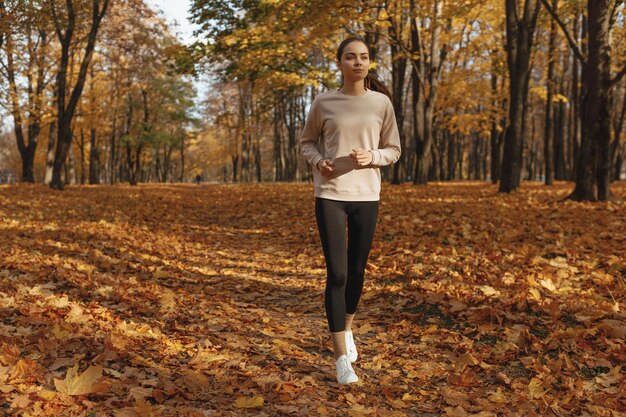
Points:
x=201, y=300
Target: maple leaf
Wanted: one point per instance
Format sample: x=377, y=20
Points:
x=82, y=384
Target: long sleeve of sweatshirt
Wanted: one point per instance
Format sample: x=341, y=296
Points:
x=336, y=124
x=312, y=135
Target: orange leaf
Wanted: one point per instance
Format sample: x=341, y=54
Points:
x=79, y=385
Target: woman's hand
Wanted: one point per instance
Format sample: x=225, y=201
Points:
x=361, y=157
x=326, y=167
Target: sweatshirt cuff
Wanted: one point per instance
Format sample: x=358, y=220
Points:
x=315, y=160
x=375, y=157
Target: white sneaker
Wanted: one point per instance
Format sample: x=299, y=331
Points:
x=345, y=373
x=351, y=347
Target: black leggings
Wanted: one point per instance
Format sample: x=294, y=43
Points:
x=345, y=268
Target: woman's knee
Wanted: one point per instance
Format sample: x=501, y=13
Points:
x=337, y=279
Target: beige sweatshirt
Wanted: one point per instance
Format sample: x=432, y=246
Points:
x=336, y=124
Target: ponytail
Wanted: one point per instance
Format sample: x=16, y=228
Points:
x=373, y=83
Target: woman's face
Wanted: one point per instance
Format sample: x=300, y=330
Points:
x=355, y=62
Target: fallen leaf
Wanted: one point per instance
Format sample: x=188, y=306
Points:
x=79, y=384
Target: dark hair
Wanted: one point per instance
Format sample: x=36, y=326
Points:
x=371, y=80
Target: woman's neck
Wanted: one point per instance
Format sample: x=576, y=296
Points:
x=353, y=89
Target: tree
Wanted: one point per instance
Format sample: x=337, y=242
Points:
x=550, y=84
x=519, y=40
x=25, y=36
x=67, y=22
x=593, y=166
x=425, y=79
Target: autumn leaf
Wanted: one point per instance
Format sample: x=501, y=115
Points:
x=535, y=294
x=457, y=411
x=142, y=408
x=489, y=290
x=462, y=321
x=608, y=379
x=249, y=402
x=82, y=384
x=535, y=388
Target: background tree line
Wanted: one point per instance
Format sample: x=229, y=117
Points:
x=494, y=89
x=500, y=90
x=101, y=84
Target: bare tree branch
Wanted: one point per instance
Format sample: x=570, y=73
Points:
x=572, y=42
x=613, y=14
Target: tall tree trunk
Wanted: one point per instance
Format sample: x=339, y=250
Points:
x=496, y=133
x=65, y=26
x=576, y=110
x=548, y=136
x=425, y=74
x=257, y=161
x=290, y=156
x=235, y=162
x=279, y=161
x=451, y=157
x=399, y=59
x=593, y=170
x=70, y=167
x=520, y=34
x=82, y=156
x=94, y=158
x=559, y=141
x=600, y=77
x=618, y=126
x=182, y=158
x=112, y=147
x=50, y=152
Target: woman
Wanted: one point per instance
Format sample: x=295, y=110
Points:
x=349, y=133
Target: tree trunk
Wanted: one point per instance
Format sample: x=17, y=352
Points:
x=548, y=136
x=398, y=70
x=520, y=33
x=452, y=158
x=617, y=139
x=94, y=159
x=235, y=162
x=575, y=113
x=182, y=158
x=65, y=114
x=559, y=141
x=112, y=151
x=279, y=162
x=425, y=73
x=50, y=152
x=27, y=151
x=497, y=131
x=594, y=165
x=82, y=156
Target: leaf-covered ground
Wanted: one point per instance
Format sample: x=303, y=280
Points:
x=181, y=300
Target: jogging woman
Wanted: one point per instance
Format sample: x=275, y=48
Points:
x=349, y=133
